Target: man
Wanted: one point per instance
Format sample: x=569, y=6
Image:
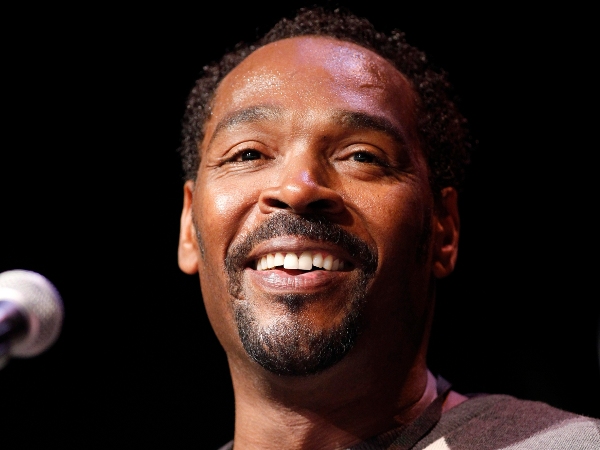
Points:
x=322, y=169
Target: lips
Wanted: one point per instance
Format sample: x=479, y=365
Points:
x=306, y=260
x=296, y=265
x=303, y=240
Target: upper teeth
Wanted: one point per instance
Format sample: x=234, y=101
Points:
x=304, y=261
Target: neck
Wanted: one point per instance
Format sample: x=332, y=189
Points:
x=320, y=412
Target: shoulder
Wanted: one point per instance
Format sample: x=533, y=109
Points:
x=504, y=422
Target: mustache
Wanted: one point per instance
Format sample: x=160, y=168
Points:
x=314, y=227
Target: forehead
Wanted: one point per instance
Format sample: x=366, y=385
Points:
x=313, y=75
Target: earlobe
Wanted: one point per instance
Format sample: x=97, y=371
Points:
x=446, y=233
x=188, y=245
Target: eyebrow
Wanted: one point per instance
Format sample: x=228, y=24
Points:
x=247, y=115
x=365, y=121
x=345, y=118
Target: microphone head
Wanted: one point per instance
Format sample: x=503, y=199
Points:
x=40, y=303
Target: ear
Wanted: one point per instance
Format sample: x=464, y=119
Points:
x=187, y=252
x=445, y=235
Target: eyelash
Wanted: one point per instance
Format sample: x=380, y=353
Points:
x=364, y=157
x=367, y=157
x=254, y=155
x=248, y=154
x=361, y=156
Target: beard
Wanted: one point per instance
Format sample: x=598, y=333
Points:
x=290, y=346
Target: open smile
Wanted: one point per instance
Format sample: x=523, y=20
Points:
x=290, y=263
x=297, y=254
x=306, y=260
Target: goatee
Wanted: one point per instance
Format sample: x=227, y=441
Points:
x=290, y=346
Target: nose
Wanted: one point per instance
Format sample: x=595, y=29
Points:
x=303, y=188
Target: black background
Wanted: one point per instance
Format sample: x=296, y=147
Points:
x=91, y=195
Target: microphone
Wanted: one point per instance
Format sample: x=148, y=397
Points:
x=31, y=314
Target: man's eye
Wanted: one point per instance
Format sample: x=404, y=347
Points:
x=250, y=155
x=363, y=157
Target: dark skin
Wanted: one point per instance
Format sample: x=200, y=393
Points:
x=309, y=127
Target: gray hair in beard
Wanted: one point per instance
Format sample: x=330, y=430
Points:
x=293, y=348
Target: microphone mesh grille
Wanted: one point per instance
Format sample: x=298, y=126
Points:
x=43, y=307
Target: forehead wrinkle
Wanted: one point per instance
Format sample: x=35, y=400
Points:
x=251, y=114
x=365, y=121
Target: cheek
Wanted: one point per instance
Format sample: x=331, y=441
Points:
x=400, y=226
x=221, y=214
x=396, y=219
x=223, y=202
x=394, y=215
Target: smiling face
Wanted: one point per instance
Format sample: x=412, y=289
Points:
x=311, y=220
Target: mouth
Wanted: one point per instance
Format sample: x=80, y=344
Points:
x=305, y=261
x=292, y=265
x=291, y=253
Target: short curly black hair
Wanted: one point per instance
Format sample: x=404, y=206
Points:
x=444, y=132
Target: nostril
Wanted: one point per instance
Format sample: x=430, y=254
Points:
x=275, y=203
x=321, y=205
x=301, y=198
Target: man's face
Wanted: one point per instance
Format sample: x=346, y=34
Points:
x=311, y=218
